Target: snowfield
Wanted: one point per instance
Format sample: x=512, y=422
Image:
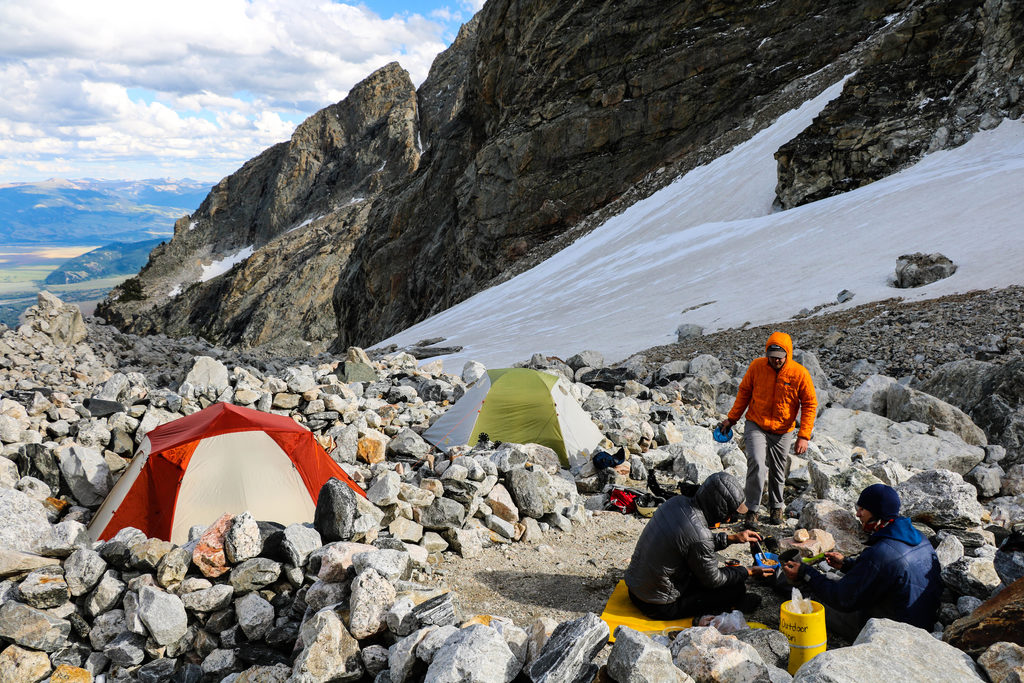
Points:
x=712, y=238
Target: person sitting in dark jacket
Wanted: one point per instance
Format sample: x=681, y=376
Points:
x=674, y=572
x=897, y=577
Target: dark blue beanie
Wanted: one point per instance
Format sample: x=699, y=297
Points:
x=881, y=501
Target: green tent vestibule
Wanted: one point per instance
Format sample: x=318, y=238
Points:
x=519, y=405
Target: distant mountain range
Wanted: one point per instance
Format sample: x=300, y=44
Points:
x=112, y=260
x=74, y=212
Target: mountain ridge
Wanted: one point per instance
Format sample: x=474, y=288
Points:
x=537, y=117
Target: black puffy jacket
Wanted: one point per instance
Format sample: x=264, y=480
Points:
x=676, y=551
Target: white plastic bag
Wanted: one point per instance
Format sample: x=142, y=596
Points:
x=726, y=622
x=799, y=604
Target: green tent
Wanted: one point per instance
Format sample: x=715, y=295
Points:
x=519, y=405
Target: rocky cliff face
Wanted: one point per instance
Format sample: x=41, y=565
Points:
x=946, y=69
x=298, y=208
x=395, y=204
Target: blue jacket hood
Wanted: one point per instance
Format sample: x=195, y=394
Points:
x=900, y=530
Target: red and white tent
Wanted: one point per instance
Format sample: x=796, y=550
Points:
x=223, y=459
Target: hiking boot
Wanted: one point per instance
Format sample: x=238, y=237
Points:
x=750, y=520
x=777, y=519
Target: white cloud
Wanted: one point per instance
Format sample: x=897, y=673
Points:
x=121, y=87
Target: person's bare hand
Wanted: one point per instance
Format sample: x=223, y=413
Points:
x=792, y=570
x=760, y=572
x=801, y=445
x=835, y=560
x=745, y=536
x=725, y=424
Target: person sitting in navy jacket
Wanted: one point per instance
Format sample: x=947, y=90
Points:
x=897, y=577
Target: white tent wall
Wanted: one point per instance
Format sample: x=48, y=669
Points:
x=580, y=434
x=455, y=426
x=236, y=472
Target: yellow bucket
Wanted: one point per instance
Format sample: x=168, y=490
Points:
x=806, y=633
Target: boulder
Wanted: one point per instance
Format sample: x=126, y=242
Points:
x=329, y=652
x=44, y=588
x=971, y=576
x=635, y=658
x=940, y=498
x=86, y=473
x=163, y=615
x=23, y=523
x=474, y=654
x=889, y=650
x=208, y=373
x=871, y=395
x=904, y=404
x=33, y=628
x=707, y=655
x=1000, y=618
x=914, y=444
x=14, y=563
x=336, y=511
x=372, y=597
x=772, y=645
x=18, y=665
x=1003, y=662
x=209, y=554
x=919, y=269
x=255, y=616
x=569, y=653
x=243, y=540
x=298, y=542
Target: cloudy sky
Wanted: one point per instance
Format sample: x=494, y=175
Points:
x=193, y=88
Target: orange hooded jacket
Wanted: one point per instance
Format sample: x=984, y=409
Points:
x=771, y=399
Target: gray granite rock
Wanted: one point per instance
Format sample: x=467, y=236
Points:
x=531, y=491
x=372, y=597
x=477, y=654
x=44, y=588
x=163, y=615
x=972, y=576
x=569, y=653
x=254, y=574
x=329, y=652
x=336, y=511
x=209, y=599
x=635, y=658
x=940, y=498
x=707, y=655
x=888, y=650
x=243, y=540
x=23, y=522
x=126, y=649
x=105, y=595
x=86, y=473
x=298, y=542
x=393, y=565
x=33, y=628
x=384, y=489
x=949, y=550
x=913, y=444
x=1009, y=560
x=904, y=404
x=255, y=616
x=441, y=514
x=1003, y=662
x=772, y=645
x=106, y=627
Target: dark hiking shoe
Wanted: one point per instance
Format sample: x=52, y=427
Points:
x=777, y=519
x=750, y=521
x=751, y=601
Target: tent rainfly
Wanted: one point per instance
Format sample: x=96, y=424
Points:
x=223, y=459
x=519, y=405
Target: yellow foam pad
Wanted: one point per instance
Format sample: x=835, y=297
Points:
x=620, y=611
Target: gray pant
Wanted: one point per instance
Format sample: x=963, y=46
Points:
x=764, y=447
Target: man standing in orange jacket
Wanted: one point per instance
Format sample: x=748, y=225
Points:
x=772, y=391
